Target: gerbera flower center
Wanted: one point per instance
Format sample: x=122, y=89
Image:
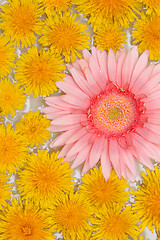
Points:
x=114, y=112
x=26, y=230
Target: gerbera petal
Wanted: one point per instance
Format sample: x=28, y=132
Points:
x=70, y=119
x=80, y=144
x=147, y=146
x=114, y=155
x=139, y=67
x=129, y=64
x=71, y=89
x=62, y=139
x=65, y=150
x=154, y=104
x=75, y=100
x=130, y=175
x=94, y=66
x=142, y=79
x=102, y=59
x=86, y=167
x=150, y=85
x=86, y=54
x=77, y=135
x=58, y=103
x=92, y=82
x=154, y=128
x=148, y=135
x=83, y=64
x=129, y=160
x=82, y=156
x=81, y=82
x=112, y=66
x=96, y=151
x=156, y=70
x=105, y=162
x=69, y=159
x=119, y=69
x=142, y=158
x=61, y=128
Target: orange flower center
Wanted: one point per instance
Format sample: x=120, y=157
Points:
x=114, y=112
x=26, y=230
x=23, y=19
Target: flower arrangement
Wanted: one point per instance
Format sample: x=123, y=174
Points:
x=80, y=125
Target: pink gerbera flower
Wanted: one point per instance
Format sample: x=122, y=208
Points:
x=110, y=111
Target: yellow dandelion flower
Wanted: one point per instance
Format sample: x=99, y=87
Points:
x=33, y=126
x=37, y=71
x=113, y=223
x=24, y=221
x=98, y=191
x=7, y=56
x=11, y=97
x=109, y=36
x=147, y=200
x=5, y=188
x=71, y=214
x=152, y=6
x=12, y=149
x=100, y=12
x=147, y=35
x=56, y=6
x=44, y=178
x=20, y=20
x=65, y=35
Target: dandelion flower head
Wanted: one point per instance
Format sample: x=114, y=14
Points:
x=33, y=126
x=118, y=11
x=37, y=71
x=44, y=178
x=20, y=20
x=11, y=97
x=109, y=112
x=66, y=36
x=147, y=35
x=115, y=223
x=12, y=149
x=98, y=191
x=71, y=215
x=24, y=221
x=109, y=36
x=147, y=200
